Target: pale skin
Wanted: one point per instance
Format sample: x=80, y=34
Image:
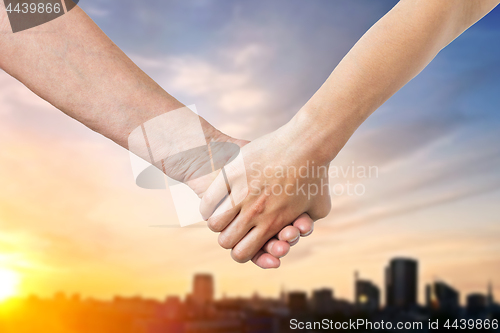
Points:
x=388, y=56
x=73, y=65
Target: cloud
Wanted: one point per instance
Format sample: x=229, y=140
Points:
x=94, y=12
x=16, y=96
x=382, y=212
x=230, y=86
x=225, y=88
x=434, y=176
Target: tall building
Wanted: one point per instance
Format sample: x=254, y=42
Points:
x=476, y=303
x=442, y=297
x=322, y=301
x=297, y=302
x=283, y=295
x=491, y=299
x=401, y=278
x=367, y=296
x=203, y=289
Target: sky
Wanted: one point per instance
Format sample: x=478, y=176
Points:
x=72, y=219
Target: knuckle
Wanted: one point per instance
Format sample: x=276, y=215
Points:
x=207, y=202
x=239, y=195
x=224, y=241
x=214, y=225
x=230, y=169
x=258, y=206
x=268, y=227
x=326, y=208
x=239, y=255
x=234, y=169
x=322, y=210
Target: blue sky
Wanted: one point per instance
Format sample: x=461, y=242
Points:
x=249, y=66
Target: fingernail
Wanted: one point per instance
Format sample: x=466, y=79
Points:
x=307, y=234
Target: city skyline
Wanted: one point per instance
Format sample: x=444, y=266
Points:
x=204, y=286
x=199, y=311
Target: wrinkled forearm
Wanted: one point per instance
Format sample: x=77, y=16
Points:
x=73, y=65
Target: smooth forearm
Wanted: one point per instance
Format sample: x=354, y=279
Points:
x=389, y=55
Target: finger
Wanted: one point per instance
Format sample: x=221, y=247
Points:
x=235, y=231
x=289, y=234
x=295, y=242
x=251, y=243
x=231, y=181
x=214, y=195
x=277, y=248
x=265, y=260
x=219, y=221
x=305, y=224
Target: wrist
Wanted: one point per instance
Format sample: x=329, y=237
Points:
x=172, y=123
x=170, y=133
x=325, y=132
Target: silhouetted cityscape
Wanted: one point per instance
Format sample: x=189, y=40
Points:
x=200, y=312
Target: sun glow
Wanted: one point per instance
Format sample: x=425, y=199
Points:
x=9, y=283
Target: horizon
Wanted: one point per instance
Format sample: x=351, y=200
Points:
x=218, y=296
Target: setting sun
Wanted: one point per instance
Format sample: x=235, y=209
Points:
x=9, y=281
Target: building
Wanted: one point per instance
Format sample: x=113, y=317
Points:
x=491, y=298
x=442, y=297
x=297, y=302
x=172, y=307
x=367, y=296
x=476, y=304
x=322, y=301
x=203, y=289
x=401, y=277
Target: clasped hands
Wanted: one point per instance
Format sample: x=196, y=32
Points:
x=262, y=206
